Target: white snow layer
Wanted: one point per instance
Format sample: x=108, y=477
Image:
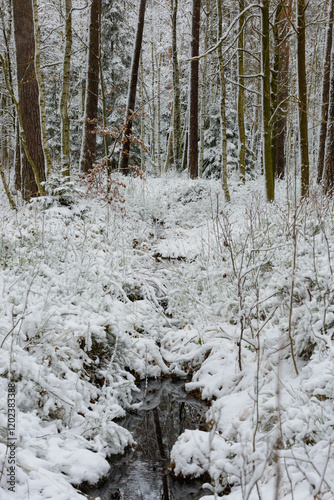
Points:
x=176, y=283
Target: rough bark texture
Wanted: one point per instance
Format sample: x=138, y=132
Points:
x=28, y=96
x=267, y=153
x=325, y=91
x=193, y=124
x=124, y=165
x=302, y=98
x=92, y=90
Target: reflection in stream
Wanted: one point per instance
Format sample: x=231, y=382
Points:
x=141, y=473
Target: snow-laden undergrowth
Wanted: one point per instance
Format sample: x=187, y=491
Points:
x=241, y=297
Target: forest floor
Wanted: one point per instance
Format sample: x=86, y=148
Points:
x=171, y=282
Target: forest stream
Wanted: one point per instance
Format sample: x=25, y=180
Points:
x=142, y=472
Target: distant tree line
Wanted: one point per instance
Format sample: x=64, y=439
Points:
x=210, y=86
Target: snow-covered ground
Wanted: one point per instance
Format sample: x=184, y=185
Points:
x=173, y=281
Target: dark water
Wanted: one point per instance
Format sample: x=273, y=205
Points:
x=142, y=472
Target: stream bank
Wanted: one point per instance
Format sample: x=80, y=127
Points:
x=142, y=472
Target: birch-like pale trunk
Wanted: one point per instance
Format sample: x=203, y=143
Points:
x=41, y=88
x=65, y=94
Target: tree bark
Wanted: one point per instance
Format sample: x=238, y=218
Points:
x=124, y=163
x=283, y=13
x=17, y=160
x=241, y=94
x=92, y=89
x=28, y=98
x=222, y=104
x=267, y=140
x=65, y=95
x=177, y=135
x=41, y=88
x=302, y=98
x=328, y=174
x=325, y=92
x=193, y=122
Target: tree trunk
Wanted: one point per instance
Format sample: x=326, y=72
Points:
x=159, y=111
x=325, y=91
x=41, y=88
x=65, y=95
x=328, y=174
x=302, y=98
x=103, y=94
x=6, y=188
x=283, y=13
x=266, y=108
x=204, y=89
x=92, y=89
x=124, y=164
x=28, y=98
x=176, y=91
x=17, y=160
x=241, y=94
x=193, y=118
x=222, y=104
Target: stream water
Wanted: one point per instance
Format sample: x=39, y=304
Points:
x=142, y=472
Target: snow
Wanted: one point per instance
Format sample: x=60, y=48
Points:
x=93, y=296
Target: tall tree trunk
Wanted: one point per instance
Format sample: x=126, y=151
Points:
x=302, y=98
x=28, y=107
x=328, y=174
x=65, y=95
x=124, y=163
x=177, y=135
x=92, y=89
x=17, y=160
x=41, y=88
x=6, y=188
x=203, y=97
x=103, y=93
x=325, y=91
x=159, y=111
x=193, y=118
x=222, y=104
x=153, y=108
x=241, y=93
x=266, y=111
x=282, y=48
